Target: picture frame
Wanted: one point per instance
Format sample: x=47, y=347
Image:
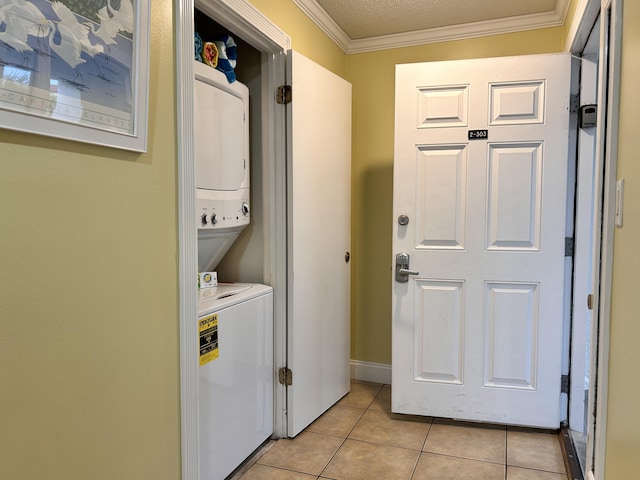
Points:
x=77, y=70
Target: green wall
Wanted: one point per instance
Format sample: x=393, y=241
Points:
x=89, y=368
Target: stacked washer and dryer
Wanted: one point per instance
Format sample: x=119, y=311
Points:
x=236, y=375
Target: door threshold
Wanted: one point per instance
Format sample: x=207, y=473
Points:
x=571, y=461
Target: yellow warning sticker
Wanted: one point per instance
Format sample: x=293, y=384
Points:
x=208, y=331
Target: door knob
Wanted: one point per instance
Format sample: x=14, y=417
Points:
x=402, y=268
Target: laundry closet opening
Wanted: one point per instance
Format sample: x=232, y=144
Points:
x=235, y=308
x=292, y=167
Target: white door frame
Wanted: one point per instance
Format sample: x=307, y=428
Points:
x=244, y=20
x=583, y=233
x=606, y=167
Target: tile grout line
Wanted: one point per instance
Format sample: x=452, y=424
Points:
x=344, y=440
x=392, y=446
x=507, y=464
x=415, y=466
x=422, y=451
x=252, y=460
x=475, y=460
x=424, y=444
x=332, y=456
x=506, y=454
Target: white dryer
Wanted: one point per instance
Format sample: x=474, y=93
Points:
x=236, y=375
x=221, y=154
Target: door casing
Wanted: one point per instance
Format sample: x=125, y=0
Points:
x=242, y=18
x=604, y=211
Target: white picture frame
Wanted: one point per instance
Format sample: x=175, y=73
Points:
x=76, y=75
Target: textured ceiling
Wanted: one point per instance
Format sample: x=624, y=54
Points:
x=371, y=18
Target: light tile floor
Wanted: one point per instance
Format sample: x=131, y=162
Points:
x=360, y=439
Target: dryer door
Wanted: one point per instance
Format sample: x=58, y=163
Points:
x=221, y=132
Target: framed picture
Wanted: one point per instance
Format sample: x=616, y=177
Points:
x=76, y=69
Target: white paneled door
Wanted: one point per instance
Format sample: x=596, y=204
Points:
x=480, y=202
x=319, y=196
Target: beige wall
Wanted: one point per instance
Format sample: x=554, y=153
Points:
x=372, y=76
x=88, y=299
x=623, y=429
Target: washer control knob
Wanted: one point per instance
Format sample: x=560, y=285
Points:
x=204, y=219
x=214, y=220
x=245, y=209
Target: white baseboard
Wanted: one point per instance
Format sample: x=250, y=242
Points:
x=371, y=372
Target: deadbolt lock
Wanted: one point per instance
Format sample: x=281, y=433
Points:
x=403, y=220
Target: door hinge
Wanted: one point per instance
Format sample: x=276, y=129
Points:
x=574, y=103
x=568, y=246
x=283, y=95
x=564, y=384
x=285, y=376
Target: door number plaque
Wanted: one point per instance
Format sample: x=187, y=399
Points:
x=478, y=134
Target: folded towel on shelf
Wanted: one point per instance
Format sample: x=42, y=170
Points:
x=210, y=54
x=227, y=56
x=197, y=44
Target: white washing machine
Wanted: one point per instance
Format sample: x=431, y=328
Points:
x=236, y=375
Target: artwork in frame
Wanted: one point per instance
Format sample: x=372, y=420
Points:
x=76, y=69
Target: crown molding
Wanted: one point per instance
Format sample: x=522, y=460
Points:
x=321, y=18
x=432, y=35
x=455, y=32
